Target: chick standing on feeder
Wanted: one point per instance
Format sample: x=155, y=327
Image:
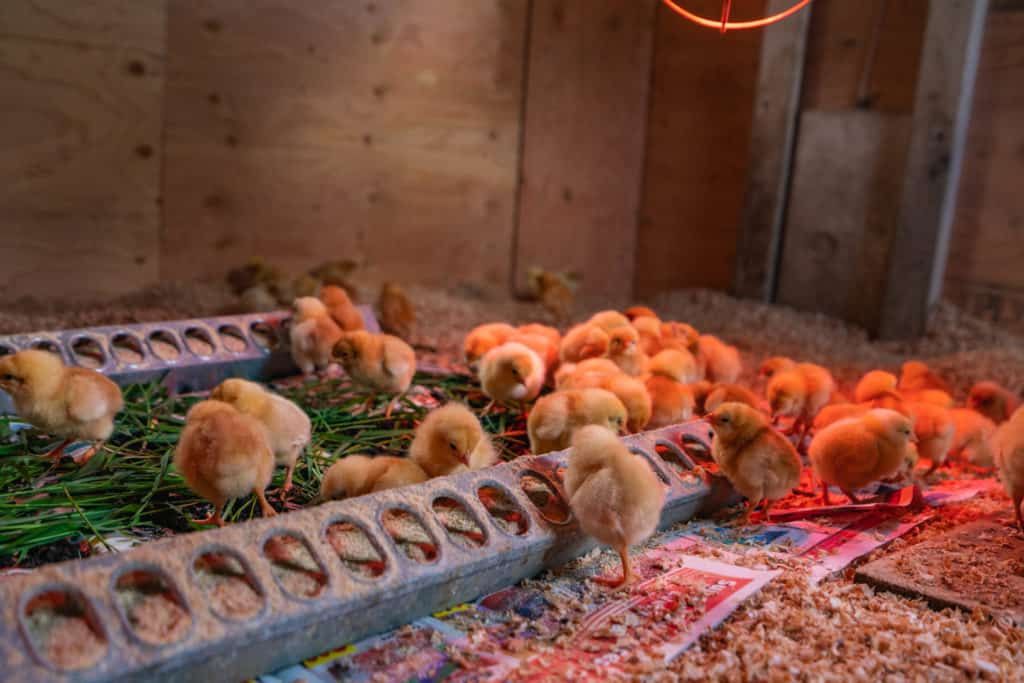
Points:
x=512, y=373
x=758, y=461
x=397, y=315
x=71, y=403
x=993, y=401
x=482, y=339
x=313, y=334
x=451, y=440
x=341, y=309
x=224, y=454
x=613, y=493
x=1008, y=446
x=357, y=475
x=288, y=427
x=379, y=362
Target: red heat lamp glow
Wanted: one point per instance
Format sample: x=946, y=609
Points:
x=724, y=24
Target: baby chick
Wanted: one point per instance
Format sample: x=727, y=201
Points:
x=336, y=273
x=224, y=454
x=761, y=463
x=542, y=345
x=800, y=393
x=357, y=475
x=554, y=291
x=556, y=416
x=583, y=341
x=550, y=333
x=874, y=385
x=613, y=493
x=624, y=350
x=675, y=335
x=993, y=401
x=671, y=401
x=512, y=372
x=634, y=312
x=649, y=331
x=831, y=414
x=379, y=362
x=313, y=334
x=934, y=430
x=253, y=273
x=482, y=339
x=341, y=309
x=569, y=373
x=856, y=451
x=972, y=437
x=70, y=403
x=630, y=390
x=609, y=320
x=1008, y=445
x=451, y=440
x=917, y=376
x=730, y=393
x=674, y=364
x=288, y=427
x=701, y=391
x=397, y=316
x=721, y=361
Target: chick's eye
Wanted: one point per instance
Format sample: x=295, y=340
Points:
x=724, y=420
x=452, y=445
x=8, y=377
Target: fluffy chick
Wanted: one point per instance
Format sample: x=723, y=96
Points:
x=730, y=393
x=648, y=330
x=556, y=416
x=341, y=309
x=512, y=372
x=70, y=403
x=677, y=365
x=397, y=315
x=357, y=475
x=313, y=334
x=613, y=493
x=721, y=361
x=1008, y=445
x=552, y=335
x=831, y=414
x=934, y=430
x=609, y=320
x=482, y=339
x=800, y=393
x=874, y=385
x=761, y=463
x=540, y=343
x=582, y=342
x=451, y=440
x=379, y=362
x=993, y=401
x=917, y=376
x=973, y=432
x=630, y=390
x=854, y=452
x=554, y=291
x=701, y=391
x=676, y=335
x=224, y=454
x=634, y=312
x=288, y=427
x=624, y=350
x=671, y=401
x=775, y=364
x=569, y=373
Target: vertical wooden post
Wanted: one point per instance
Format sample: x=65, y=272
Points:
x=942, y=106
x=776, y=112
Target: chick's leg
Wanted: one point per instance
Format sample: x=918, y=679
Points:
x=87, y=455
x=1017, y=500
x=627, y=571
x=264, y=505
x=58, y=452
x=824, y=493
x=214, y=518
x=849, y=494
x=767, y=510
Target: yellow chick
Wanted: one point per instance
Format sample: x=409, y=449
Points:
x=831, y=414
x=251, y=274
x=634, y=312
x=630, y=390
x=511, y=372
x=257, y=299
x=556, y=416
x=313, y=334
x=934, y=430
x=730, y=393
x=701, y=392
x=570, y=373
x=874, y=385
x=676, y=335
x=721, y=361
x=70, y=403
x=775, y=364
x=854, y=452
x=288, y=427
x=800, y=393
x=972, y=436
x=341, y=309
x=379, y=362
x=1008, y=446
x=613, y=493
x=675, y=364
x=648, y=330
x=582, y=342
x=358, y=475
x=222, y=455
x=397, y=315
x=609, y=320
x=758, y=461
x=482, y=339
x=540, y=343
x=671, y=402
x=917, y=376
x=451, y=440
x=993, y=401
x=554, y=291
x=552, y=335
x=624, y=350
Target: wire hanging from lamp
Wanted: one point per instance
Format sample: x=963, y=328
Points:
x=724, y=24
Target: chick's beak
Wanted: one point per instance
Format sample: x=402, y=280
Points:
x=913, y=437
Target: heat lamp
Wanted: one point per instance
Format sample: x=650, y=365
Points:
x=725, y=24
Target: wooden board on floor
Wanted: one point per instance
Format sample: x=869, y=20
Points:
x=975, y=566
x=583, y=143
x=80, y=124
x=386, y=132
x=698, y=154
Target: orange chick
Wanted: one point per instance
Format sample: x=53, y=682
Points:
x=758, y=461
x=993, y=401
x=676, y=335
x=624, y=350
x=609, y=320
x=224, y=454
x=542, y=345
x=613, y=493
x=313, y=334
x=69, y=403
x=482, y=339
x=874, y=385
x=702, y=390
x=557, y=416
x=451, y=440
x=341, y=309
x=379, y=362
x=917, y=376
x=775, y=364
x=570, y=373
x=675, y=364
x=630, y=390
x=288, y=427
x=831, y=414
x=649, y=333
x=554, y=291
x=397, y=315
x=1008, y=446
x=730, y=393
x=552, y=335
x=671, y=402
x=634, y=312
x=582, y=342
x=934, y=430
x=857, y=451
x=357, y=475
x=800, y=393
x=972, y=436
x=512, y=372
x=721, y=361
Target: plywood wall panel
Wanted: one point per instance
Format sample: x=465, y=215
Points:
x=387, y=132
x=80, y=126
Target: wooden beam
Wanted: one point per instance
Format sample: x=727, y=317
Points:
x=774, y=131
x=941, y=114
